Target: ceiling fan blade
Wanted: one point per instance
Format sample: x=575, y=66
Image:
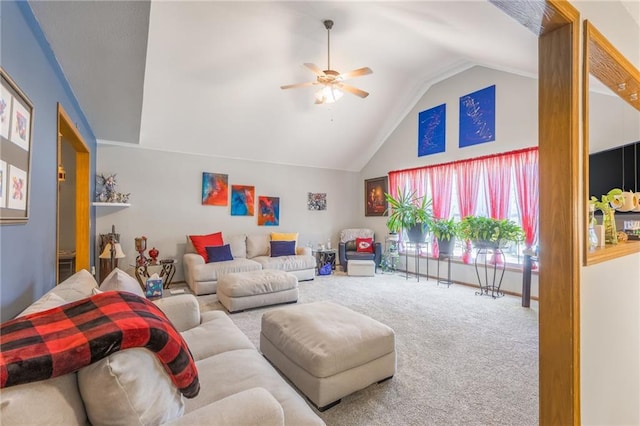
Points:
x=356, y=73
x=293, y=86
x=316, y=69
x=353, y=90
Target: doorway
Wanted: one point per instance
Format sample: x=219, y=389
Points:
x=73, y=174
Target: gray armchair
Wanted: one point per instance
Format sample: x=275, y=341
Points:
x=347, y=247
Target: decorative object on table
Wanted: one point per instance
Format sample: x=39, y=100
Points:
x=153, y=286
x=375, y=203
x=242, y=200
x=141, y=246
x=607, y=205
x=411, y=213
x=478, y=117
x=16, y=124
x=627, y=202
x=110, y=252
x=317, y=201
x=215, y=189
x=593, y=237
x=622, y=236
x=431, y=130
x=268, y=211
x=106, y=190
x=153, y=254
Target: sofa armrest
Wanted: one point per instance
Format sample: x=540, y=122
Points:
x=255, y=406
x=377, y=254
x=189, y=261
x=182, y=310
x=303, y=250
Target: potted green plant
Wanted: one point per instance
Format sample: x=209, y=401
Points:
x=446, y=231
x=489, y=232
x=607, y=205
x=409, y=212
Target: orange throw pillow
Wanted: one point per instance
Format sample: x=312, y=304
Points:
x=200, y=242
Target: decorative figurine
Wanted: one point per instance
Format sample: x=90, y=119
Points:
x=153, y=253
x=108, y=193
x=141, y=246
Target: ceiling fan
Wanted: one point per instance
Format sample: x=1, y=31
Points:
x=331, y=81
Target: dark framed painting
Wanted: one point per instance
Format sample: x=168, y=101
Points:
x=16, y=123
x=375, y=203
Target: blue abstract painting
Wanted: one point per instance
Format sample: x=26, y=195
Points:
x=431, y=130
x=478, y=117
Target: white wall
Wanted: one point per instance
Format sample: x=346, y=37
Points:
x=166, y=203
x=516, y=128
x=609, y=292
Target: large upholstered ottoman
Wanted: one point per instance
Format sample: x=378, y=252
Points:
x=361, y=268
x=327, y=350
x=244, y=290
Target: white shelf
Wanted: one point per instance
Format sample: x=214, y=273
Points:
x=99, y=204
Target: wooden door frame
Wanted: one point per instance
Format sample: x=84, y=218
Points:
x=68, y=131
x=557, y=25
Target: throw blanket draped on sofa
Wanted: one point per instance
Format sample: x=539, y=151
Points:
x=64, y=339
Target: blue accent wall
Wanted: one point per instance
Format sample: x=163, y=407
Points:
x=28, y=252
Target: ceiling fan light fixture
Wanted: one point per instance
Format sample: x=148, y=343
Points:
x=328, y=94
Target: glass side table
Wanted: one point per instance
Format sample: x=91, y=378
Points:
x=325, y=256
x=166, y=269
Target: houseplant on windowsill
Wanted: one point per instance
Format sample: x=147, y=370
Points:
x=446, y=231
x=486, y=232
x=409, y=212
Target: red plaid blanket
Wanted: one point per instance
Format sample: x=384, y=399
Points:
x=61, y=340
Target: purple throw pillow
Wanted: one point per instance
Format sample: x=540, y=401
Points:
x=283, y=248
x=219, y=253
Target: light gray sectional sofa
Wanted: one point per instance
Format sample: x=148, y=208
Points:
x=237, y=385
x=250, y=253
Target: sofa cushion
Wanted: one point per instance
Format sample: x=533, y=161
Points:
x=129, y=387
x=364, y=245
x=285, y=236
x=238, y=245
x=283, y=248
x=287, y=263
x=57, y=400
x=257, y=245
x=201, y=241
x=118, y=280
x=48, y=301
x=211, y=271
x=215, y=335
x=219, y=253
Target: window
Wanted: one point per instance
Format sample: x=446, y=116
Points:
x=511, y=178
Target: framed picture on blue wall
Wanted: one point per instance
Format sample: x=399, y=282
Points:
x=16, y=123
x=431, y=130
x=478, y=117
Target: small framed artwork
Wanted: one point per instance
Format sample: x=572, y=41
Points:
x=268, y=211
x=242, y=200
x=317, y=201
x=375, y=203
x=16, y=123
x=431, y=130
x=215, y=189
x=478, y=117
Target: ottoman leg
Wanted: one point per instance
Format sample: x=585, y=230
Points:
x=326, y=407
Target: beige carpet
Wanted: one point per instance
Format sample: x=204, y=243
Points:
x=462, y=359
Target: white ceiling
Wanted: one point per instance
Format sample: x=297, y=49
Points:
x=204, y=77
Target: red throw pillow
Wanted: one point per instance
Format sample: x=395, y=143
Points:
x=364, y=245
x=200, y=242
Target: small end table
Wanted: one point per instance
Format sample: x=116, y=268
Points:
x=167, y=271
x=325, y=256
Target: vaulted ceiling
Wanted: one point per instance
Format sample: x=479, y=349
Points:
x=204, y=77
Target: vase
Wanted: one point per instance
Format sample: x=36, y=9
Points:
x=609, y=223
